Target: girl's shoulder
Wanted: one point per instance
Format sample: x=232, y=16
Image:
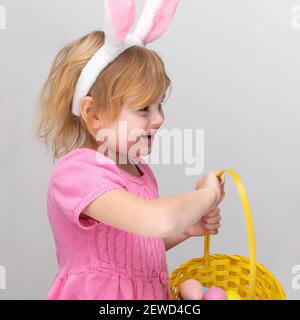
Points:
x=83, y=156
x=83, y=162
x=77, y=179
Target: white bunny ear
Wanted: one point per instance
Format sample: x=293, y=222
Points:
x=119, y=18
x=156, y=17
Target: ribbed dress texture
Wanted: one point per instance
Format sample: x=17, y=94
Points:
x=97, y=261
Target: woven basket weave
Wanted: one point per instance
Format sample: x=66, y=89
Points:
x=251, y=280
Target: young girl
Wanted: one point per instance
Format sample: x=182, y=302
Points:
x=110, y=227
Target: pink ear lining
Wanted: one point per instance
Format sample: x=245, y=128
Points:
x=163, y=18
x=123, y=16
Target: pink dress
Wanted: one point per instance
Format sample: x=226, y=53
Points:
x=98, y=261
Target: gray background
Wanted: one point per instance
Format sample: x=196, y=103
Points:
x=235, y=70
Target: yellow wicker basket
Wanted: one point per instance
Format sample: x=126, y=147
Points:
x=251, y=280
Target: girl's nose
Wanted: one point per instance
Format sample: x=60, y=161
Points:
x=158, y=119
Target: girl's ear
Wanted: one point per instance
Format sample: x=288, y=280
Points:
x=86, y=108
x=156, y=17
x=119, y=18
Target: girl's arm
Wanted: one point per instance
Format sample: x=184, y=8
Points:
x=209, y=223
x=171, y=242
x=162, y=218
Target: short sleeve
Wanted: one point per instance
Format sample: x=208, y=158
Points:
x=78, y=179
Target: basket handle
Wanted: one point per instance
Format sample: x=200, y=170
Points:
x=250, y=231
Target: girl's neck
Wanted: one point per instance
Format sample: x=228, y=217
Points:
x=125, y=166
x=119, y=159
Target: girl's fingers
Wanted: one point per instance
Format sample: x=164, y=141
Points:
x=213, y=213
x=213, y=220
x=212, y=226
x=222, y=197
x=223, y=179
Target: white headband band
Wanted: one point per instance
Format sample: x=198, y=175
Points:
x=119, y=18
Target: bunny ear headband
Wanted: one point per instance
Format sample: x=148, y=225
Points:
x=119, y=18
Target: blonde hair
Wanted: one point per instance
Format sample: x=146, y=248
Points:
x=137, y=72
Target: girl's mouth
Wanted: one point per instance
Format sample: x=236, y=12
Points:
x=150, y=138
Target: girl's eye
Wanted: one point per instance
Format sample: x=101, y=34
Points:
x=144, y=109
x=147, y=108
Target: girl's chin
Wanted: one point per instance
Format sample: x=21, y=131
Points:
x=141, y=152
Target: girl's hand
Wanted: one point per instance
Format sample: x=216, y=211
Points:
x=212, y=181
x=209, y=223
